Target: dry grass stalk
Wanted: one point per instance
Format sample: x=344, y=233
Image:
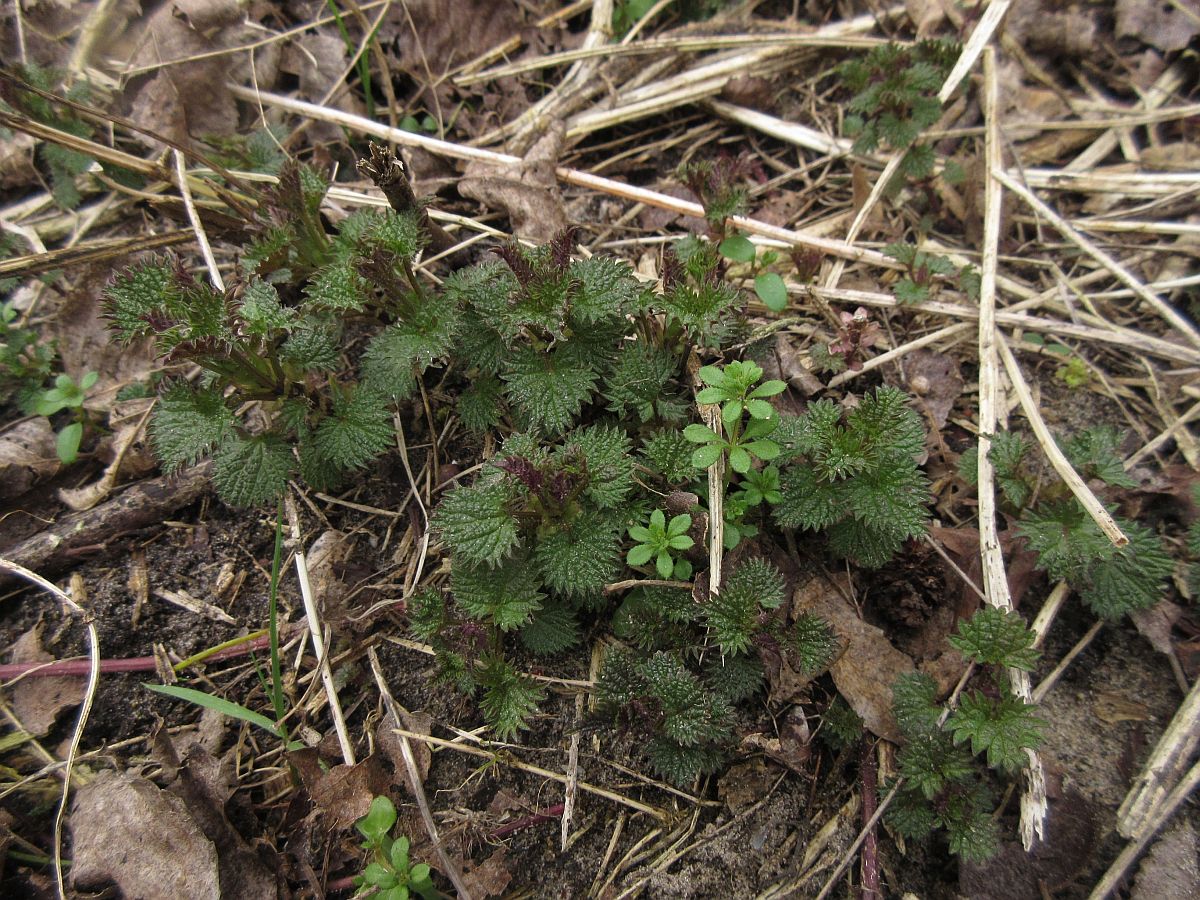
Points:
x=1162, y=813
x=508, y=760
x=995, y=578
x=316, y=631
x=1068, y=231
x=73, y=608
x=1171, y=755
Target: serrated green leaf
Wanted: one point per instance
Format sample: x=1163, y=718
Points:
x=476, y=521
x=706, y=456
x=579, y=560
x=997, y=637
x=189, y=424
x=549, y=388
x=552, y=630
x=507, y=595
x=357, y=430
x=1003, y=729
x=251, y=471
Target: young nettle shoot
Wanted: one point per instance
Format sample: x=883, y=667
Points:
x=390, y=875
x=733, y=388
x=659, y=541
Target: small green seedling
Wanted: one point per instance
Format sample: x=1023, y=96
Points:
x=66, y=394
x=390, y=875
x=659, y=540
x=756, y=487
x=733, y=388
x=769, y=286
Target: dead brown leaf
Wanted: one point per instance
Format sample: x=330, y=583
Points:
x=27, y=456
x=528, y=193
x=787, y=364
x=936, y=380
x=868, y=666
x=184, y=100
x=389, y=743
x=926, y=15
x=16, y=161
x=1155, y=624
x=327, y=558
x=38, y=701
x=792, y=747
x=491, y=877
x=1159, y=23
x=745, y=783
x=127, y=830
x=206, y=784
x=343, y=794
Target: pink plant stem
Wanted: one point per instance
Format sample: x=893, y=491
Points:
x=81, y=667
x=868, y=771
x=549, y=814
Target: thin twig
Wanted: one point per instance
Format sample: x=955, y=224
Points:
x=1058, y=459
x=197, y=226
x=449, y=867
x=316, y=631
x=995, y=579
x=89, y=697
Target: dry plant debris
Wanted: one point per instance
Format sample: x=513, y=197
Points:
x=990, y=205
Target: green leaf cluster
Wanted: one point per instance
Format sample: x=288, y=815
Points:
x=63, y=165
x=390, y=875
x=666, y=623
x=660, y=697
x=657, y=540
x=1068, y=542
x=853, y=475
x=255, y=346
x=944, y=785
x=896, y=98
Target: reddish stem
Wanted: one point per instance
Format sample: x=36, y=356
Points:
x=549, y=814
x=868, y=773
x=81, y=667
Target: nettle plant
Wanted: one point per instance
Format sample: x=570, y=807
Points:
x=1110, y=580
x=851, y=473
x=895, y=99
x=583, y=373
x=946, y=783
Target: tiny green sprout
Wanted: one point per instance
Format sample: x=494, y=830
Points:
x=759, y=486
x=659, y=540
x=769, y=286
x=66, y=394
x=1075, y=374
x=733, y=387
x=390, y=875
